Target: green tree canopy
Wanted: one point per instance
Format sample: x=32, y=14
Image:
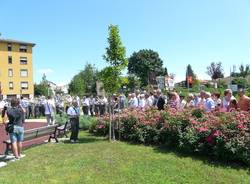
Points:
x=43, y=88
x=77, y=85
x=115, y=52
x=145, y=64
x=244, y=70
x=116, y=57
x=190, y=72
x=84, y=83
x=215, y=70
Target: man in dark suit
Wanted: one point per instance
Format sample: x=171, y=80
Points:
x=160, y=100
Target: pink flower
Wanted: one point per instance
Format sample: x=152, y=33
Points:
x=216, y=133
x=202, y=129
x=101, y=126
x=194, y=122
x=241, y=126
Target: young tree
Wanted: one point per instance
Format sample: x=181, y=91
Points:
x=215, y=70
x=115, y=52
x=145, y=64
x=116, y=57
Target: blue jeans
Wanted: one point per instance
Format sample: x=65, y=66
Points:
x=17, y=135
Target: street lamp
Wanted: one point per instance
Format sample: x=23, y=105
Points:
x=20, y=92
x=48, y=89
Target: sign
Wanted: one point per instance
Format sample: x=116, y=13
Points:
x=170, y=83
x=160, y=82
x=233, y=87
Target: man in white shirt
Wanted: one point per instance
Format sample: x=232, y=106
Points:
x=49, y=106
x=228, y=97
x=183, y=102
x=209, y=104
x=74, y=114
x=85, y=105
x=142, y=101
x=134, y=101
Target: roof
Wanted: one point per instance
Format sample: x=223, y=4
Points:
x=16, y=41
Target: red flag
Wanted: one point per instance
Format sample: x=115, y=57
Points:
x=190, y=79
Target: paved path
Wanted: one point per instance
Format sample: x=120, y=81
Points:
x=28, y=125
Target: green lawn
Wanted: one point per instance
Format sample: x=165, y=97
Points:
x=95, y=160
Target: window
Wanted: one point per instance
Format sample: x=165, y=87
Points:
x=11, y=85
x=10, y=72
x=24, y=85
x=24, y=73
x=10, y=59
x=23, y=60
x=9, y=47
x=23, y=48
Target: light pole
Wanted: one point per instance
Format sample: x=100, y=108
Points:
x=48, y=89
x=20, y=92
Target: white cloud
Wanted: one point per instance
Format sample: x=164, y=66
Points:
x=45, y=71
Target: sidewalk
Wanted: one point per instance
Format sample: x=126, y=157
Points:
x=35, y=120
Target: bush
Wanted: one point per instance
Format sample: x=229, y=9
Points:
x=221, y=135
x=85, y=121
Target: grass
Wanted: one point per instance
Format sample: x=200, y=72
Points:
x=96, y=161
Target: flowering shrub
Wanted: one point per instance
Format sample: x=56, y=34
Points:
x=222, y=135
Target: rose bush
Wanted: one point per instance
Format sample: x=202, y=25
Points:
x=221, y=135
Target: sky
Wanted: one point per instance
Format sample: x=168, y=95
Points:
x=70, y=33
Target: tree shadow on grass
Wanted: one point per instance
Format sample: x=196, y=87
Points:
x=210, y=161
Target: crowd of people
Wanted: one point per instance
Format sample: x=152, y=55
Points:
x=17, y=110
x=98, y=105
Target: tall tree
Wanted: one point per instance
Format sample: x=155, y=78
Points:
x=190, y=76
x=244, y=70
x=43, y=87
x=215, y=70
x=146, y=64
x=190, y=72
x=89, y=75
x=84, y=83
x=77, y=85
x=116, y=57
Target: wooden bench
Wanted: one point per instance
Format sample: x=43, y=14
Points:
x=63, y=129
x=31, y=134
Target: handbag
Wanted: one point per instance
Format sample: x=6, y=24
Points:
x=9, y=128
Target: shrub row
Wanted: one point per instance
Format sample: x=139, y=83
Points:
x=221, y=135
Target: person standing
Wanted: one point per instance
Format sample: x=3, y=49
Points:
x=161, y=101
x=85, y=105
x=16, y=116
x=25, y=105
x=228, y=97
x=49, y=106
x=91, y=105
x=190, y=101
x=182, y=103
x=74, y=114
x=244, y=101
x=209, y=104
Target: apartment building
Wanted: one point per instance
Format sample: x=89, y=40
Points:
x=16, y=69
